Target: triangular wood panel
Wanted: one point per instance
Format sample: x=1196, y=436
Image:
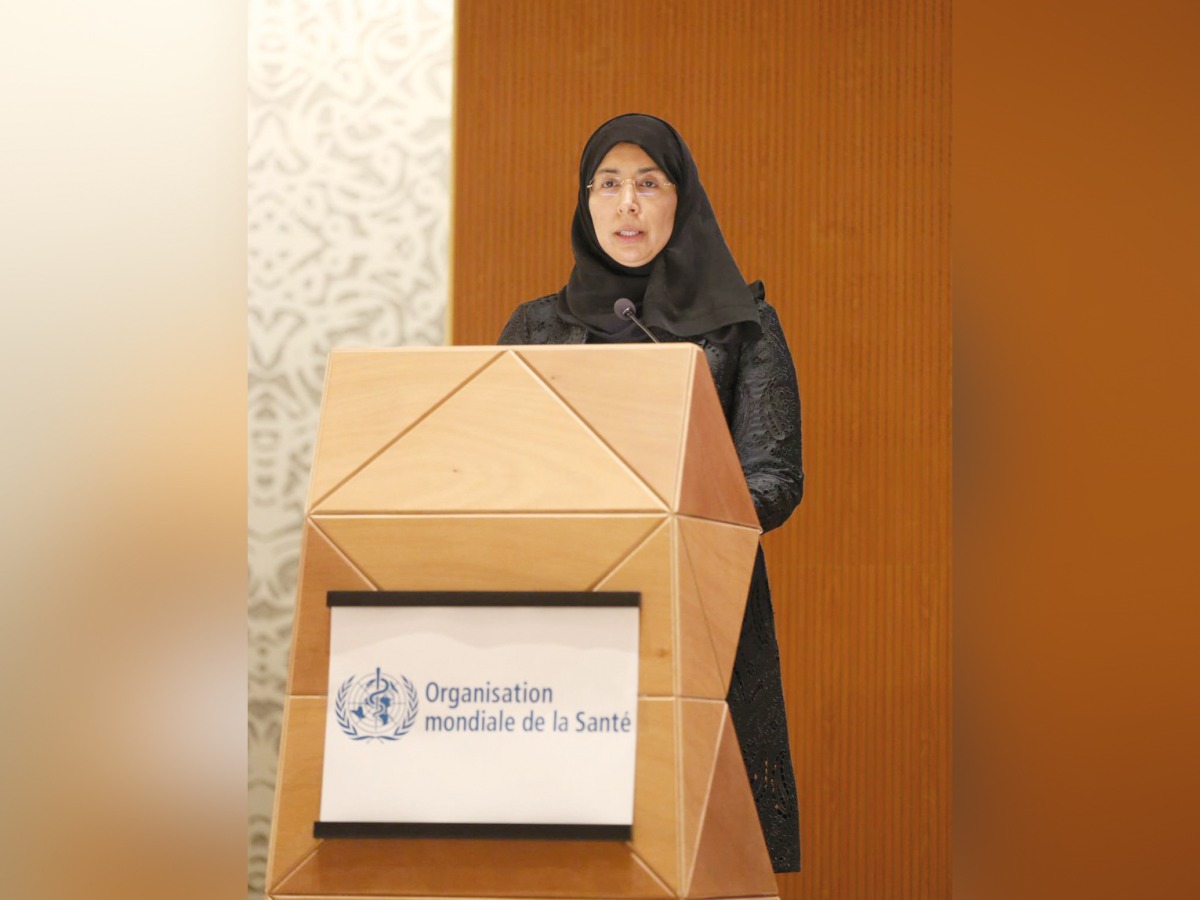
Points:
x=731, y=857
x=503, y=443
x=481, y=553
x=656, y=791
x=702, y=722
x=642, y=422
x=371, y=396
x=322, y=568
x=699, y=671
x=722, y=558
x=648, y=569
x=298, y=786
x=712, y=484
x=473, y=868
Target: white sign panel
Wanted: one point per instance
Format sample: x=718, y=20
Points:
x=481, y=714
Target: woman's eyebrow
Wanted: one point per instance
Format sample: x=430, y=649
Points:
x=642, y=171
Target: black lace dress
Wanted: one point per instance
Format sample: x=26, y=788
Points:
x=756, y=382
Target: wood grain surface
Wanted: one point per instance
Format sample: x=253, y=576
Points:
x=821, y=129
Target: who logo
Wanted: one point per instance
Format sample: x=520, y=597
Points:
x=377, y=706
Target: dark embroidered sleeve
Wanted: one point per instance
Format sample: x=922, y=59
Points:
x=517, y=330
x=537, y=322
x=766, y=423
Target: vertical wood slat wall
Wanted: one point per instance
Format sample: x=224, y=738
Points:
x=821, y=129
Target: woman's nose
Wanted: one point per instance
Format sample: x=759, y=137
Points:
x=628, y=198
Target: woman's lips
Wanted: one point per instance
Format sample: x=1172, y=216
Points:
x=627, y=235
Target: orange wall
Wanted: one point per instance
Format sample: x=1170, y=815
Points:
x=821, y=128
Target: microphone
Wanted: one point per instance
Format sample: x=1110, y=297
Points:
x=623, y=309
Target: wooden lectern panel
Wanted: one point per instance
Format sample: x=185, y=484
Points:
x=721, y=556
x=473, y=868
x=481, y=553
x=648, y=570
x=641, y=420
x=698, y=672
x=297, y=787
x=656, y=832
x=504, y=442
x=322, y=568
x=712, y=485
x=702, y=722
x=731, y=856
x=363, y=411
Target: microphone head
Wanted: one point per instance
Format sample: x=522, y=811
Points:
x=624, y=308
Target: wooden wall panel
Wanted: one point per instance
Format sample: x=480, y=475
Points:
x=821, y=128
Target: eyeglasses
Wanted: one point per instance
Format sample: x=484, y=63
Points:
x=643, y=186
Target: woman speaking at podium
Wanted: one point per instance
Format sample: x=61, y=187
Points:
x=644, y=231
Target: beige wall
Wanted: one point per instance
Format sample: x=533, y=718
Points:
x=348, y=205
x=821, y=129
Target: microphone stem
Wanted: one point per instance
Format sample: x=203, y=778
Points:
x=638, y=323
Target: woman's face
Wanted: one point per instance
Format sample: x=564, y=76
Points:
x=633, y=225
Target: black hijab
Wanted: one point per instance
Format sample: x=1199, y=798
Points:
x=693, y=287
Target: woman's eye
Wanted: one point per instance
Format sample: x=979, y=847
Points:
x=609, y=183
x=648, y=183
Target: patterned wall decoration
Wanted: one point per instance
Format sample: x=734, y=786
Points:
x=349, y=108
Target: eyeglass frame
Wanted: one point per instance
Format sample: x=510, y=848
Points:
x=621, y=188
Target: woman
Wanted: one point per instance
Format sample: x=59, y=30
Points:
x=644, y=229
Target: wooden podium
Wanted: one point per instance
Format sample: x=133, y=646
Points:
x=536, y=468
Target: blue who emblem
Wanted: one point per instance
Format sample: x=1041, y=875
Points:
x=377, y=706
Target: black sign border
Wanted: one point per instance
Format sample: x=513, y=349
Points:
x=469, y=831
x=534, y=832
x=483, y=598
